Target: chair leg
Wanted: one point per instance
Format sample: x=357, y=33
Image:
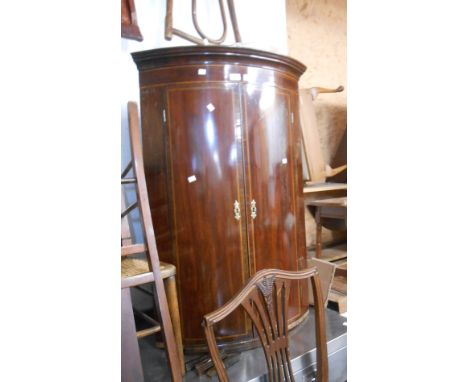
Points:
x=171, y=293
x=131, y=368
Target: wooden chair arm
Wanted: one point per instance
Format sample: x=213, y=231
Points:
x=315, y=91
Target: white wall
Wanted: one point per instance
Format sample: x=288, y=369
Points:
x=262, y=25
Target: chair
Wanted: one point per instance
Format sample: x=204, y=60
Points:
x=138, y=271
x=315, y=163
x=264, y=299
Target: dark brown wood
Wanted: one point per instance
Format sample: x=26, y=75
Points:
x=245, y=61
x=154, y=273
x=221, y=131
x=270, y=146
x=265, y=299
x=201, y=245
x=128, y=21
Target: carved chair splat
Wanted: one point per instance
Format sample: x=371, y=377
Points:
x=265, y=299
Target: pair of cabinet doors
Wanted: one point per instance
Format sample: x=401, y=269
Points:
x=226, y=192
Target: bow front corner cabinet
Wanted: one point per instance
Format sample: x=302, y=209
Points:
x=222, y=155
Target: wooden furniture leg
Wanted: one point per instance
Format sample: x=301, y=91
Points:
x=171, y=293
x=131, y=368
x=318, y=235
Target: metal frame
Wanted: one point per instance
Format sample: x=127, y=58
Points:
x=203, y=39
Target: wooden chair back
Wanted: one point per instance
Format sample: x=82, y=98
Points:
x=149, y=247
x=265, y=299
x=315, y=164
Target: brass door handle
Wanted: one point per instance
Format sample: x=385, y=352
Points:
x=236, y=210
x=253, y=209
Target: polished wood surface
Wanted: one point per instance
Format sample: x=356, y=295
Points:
x=220, y=131
x=271, y=168
x=265, y=299
x=206, y=179
x=244, y=59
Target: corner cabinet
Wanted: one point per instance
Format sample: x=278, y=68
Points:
x=222, y=152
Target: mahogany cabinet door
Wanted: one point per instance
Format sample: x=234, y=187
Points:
x=207, y=186
x=271, y=183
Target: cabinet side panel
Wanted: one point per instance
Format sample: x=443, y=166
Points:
x=205, y=162
x=155, y=164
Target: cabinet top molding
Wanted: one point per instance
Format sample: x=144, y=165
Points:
x=204, y=55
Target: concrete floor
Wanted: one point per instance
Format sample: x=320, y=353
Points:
x=252, y=365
